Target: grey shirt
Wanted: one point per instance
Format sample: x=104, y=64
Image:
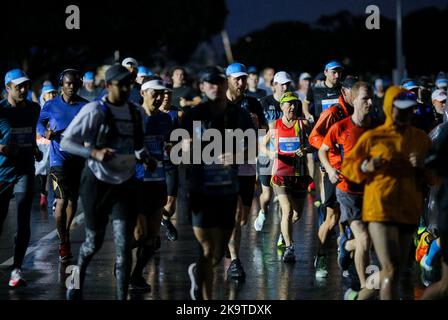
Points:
x=79, y=139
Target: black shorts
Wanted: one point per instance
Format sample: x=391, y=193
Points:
x=264, y=171
x=153, y=197
x=213, y=211
x=66, y=179
x=246, y=189
x=101, y=199
x=172, y=181
x=330, y=200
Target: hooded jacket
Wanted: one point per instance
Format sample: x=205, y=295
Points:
x=393, y=193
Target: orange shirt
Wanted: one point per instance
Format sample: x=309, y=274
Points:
x=327, y=118
x=341, y=139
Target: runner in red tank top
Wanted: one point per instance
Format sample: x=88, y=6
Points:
x=290, y=176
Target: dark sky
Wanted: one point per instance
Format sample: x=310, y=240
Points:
x=249, y=15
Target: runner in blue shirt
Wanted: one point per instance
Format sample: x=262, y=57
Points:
x=18, y=151
x=65, y=168
x=157, y=128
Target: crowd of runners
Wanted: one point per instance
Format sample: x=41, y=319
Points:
x=372, y=156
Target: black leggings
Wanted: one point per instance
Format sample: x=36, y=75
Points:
x=23, y=193
x=101, y=200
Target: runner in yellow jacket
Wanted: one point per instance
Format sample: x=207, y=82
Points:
x=389, y=160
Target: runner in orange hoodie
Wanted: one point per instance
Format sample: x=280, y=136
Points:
x=389, y=160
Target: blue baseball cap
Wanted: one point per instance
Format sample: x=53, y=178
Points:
x=333, y=65
x=236, y=70
x=16, y=76
x=405, y=100
x=144, y=72
x=48, y=88
x=252, y=69
x=441, y=83
x=88, y=77
x=409, y=85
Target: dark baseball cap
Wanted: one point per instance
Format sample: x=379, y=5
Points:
x=116, y=72
x=349, y=81
x=213, y=75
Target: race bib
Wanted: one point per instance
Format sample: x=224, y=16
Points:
x=289, y=145
x=154, y=144
x=326, y=103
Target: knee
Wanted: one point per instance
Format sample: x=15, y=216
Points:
x=207, y=252
x=363, y=241
x=93, y=242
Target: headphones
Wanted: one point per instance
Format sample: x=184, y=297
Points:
x=77, y=74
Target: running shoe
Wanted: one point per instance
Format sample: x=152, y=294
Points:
x=170, y=229
x=350, y=294
x=138, y=283
x=236, y=271
x=43, y=203
x=259, y=222
x=16, y=279
x=64, y=252
x=280, y=241
x=289, y=255
x=423, y=246
x=320, y=263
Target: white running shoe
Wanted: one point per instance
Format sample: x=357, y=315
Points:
x=259, y=222
x=16, y=279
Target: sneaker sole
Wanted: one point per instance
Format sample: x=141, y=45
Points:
x=18, y=284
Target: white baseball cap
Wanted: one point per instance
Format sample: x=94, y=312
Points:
x=438, y=95
x=282, y=77
x=156, y=84
x=129, y=62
